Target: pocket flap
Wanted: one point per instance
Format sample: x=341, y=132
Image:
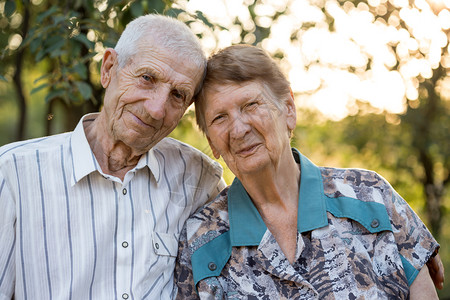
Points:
x=165, y=244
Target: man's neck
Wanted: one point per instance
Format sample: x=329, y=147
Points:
x=114, y=157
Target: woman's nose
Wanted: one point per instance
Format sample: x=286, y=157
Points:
x=240, y=127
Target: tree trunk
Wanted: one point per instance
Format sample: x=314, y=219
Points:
x=433, y=187
x=17, y=79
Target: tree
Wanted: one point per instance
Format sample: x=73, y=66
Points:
x=397, y=43
x=64, y=46
x=379, y=40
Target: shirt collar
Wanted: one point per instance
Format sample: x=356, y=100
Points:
x=246, y=225
x=153, y=164
x=84, y=161
x=83, y=158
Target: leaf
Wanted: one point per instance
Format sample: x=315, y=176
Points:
x=174, y=12
x=157, y=6
x=59, y=19
x=10, y=8
x=45, y=14
x=34, y=45
x=56, y=46
x=202, y=17
x=37, y=89
x=137, y=9
x=40, y=78
x=113, y=3
x=81, y=70
x=84, y=88
x=84, y=40
x=40, y=55
x=54, y=94
x=73, y=98
x=57, y=53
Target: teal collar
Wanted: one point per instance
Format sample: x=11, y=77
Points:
x=246, y=225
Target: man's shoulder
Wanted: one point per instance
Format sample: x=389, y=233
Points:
x=171, y=144
x=184, y=151
x=23, y=148
x=361, y=184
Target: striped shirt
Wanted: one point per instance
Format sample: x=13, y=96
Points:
x=69, y=231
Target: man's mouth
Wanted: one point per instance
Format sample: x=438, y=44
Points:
x=140, y=122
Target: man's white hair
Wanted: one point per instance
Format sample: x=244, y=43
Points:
x=170, y=33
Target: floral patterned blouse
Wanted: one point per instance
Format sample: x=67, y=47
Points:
x=357, y=239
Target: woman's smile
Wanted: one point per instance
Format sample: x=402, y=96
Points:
x=249, y=150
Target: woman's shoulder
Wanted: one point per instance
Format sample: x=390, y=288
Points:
x=210, y=221
x=355, y=183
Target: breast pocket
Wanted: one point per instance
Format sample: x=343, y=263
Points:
x=165, y=244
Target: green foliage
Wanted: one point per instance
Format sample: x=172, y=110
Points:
x=59, y=52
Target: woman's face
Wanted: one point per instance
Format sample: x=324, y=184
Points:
x=246, y=128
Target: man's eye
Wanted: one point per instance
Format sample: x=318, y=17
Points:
x=147, y=78
x=178, y=96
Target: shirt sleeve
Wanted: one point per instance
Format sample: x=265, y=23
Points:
x=211, y=183
x=7, y=240
x=414, y=241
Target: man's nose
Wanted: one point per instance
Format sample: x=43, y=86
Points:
x=156, y=103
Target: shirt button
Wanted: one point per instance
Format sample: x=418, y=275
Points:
x=212, y=266
x=375, y=223
x=124, y=244
x=156, y=245
x=124, y=191
x=125, y=296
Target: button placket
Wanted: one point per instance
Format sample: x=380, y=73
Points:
x=123, y=241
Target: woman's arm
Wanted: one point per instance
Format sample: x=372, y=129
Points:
x=436, y=269
x=423, y=287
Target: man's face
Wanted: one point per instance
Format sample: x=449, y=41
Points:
x=145, y=100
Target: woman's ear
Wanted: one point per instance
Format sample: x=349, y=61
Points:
x=109, y=61
x=291, y=112
x=214, y=150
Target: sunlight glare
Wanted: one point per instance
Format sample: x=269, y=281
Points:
x=444, y=19
x=331, y=69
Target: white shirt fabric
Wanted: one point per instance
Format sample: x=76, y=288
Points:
x=69, y=231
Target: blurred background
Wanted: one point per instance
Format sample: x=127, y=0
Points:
x=371, y=78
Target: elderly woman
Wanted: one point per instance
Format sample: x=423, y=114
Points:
x=285, y=228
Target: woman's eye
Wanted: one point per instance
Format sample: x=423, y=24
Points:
x=217, y=119
x=251, y=104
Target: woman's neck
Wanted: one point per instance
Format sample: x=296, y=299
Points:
x=274, y=185
x=274, y=192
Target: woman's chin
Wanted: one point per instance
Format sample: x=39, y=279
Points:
x=252, y=168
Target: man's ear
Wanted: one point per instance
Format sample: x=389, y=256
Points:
x=109, y=61
x=214, y=150
x=291, y=112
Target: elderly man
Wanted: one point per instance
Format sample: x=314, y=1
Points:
x=96, y=213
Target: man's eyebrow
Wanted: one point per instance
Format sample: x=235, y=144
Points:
x=179, y=86
x=151, y=71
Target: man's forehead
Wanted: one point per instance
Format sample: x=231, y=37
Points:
x=167, y=66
